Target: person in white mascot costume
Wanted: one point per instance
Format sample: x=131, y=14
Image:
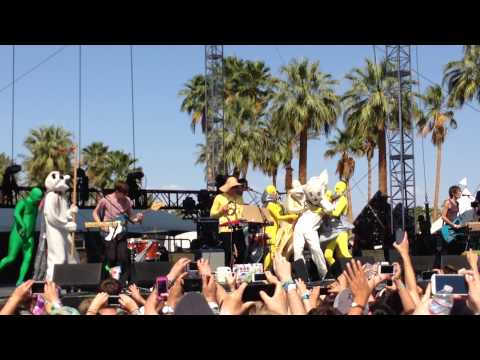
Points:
x=58, y=222
x=306, y=228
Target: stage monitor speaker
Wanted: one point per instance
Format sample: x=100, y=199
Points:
x=144, y=274
x=175, y=256
x=420, y=263
x=456, y=261
x=83, y=276
x=216, y=257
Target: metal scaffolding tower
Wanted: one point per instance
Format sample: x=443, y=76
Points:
x=401, y=143
x=214, y=106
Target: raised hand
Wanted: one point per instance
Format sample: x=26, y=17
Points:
x=50, y=292
x=282, y=268
x=136, y=294
x=472, y=258
x=98, y=302
x=473, y=280
x=232, y=303
x=128, y=303
x=231, y=280
x=278, y=303
x=177, y=269
x=209, y=288
x=152, y=304
x=403, y=248
x=176, y=291
x=204, y=267
x=423, y=307
x=357, y=282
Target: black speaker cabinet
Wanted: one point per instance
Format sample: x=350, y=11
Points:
x=420, y=263
x=145, y=273
x=207, y=232
x=455, y=261
x=84, y=276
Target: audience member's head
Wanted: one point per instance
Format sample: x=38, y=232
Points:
x=111, y=286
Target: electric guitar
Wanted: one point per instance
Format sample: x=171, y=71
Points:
x=449, y=233
x=118, y=225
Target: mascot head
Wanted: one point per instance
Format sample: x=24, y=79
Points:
x=57, y=182
x=270, y=194
x=35, y=196
x=316, y=187
x=340, y=188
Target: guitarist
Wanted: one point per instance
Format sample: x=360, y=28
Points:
x=108, y=209
x=451, y=209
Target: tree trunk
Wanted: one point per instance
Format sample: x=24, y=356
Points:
x=236, y=172
x=438, y=166
x=288, y=176
x=350, y=206
x=274, y=178
x=244, y=172
x=382, y=162
x=302, y=162
x=289, y=171
x=369, y=160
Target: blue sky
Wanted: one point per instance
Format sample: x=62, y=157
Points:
x=164, y=143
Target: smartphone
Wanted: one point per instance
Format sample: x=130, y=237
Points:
x=38, y=287
x=427, y=275
x=386, y=269
x=259, y=277
x=192, y=266
x=113, y=300
x=389, y=282
x=323, y=290
x=252, y=291
x=192, y=285
x=456, y=281
x=161, y=284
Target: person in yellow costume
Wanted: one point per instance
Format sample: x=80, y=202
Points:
x=270, y=201
x=227, y=207
x=337, y=224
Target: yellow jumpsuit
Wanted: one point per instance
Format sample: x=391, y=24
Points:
x=275, y=210
x=341, y=242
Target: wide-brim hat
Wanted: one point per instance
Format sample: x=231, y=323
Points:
x=229, y=184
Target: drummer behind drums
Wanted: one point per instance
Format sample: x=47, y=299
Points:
x=227, y=207
x=109, y=208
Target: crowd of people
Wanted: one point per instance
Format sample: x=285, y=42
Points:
x=370, y=293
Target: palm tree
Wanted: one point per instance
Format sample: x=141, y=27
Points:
x=368, y=105
x=368, y=149
x=434, y=121
x=49, y=149
x=119, y=164
x=346, y=145
x=194, y=101
x=463, y=77
x=306, y=103
x=4, y=163
x=95, y=156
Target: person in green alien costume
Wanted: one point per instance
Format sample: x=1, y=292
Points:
x=22, y=234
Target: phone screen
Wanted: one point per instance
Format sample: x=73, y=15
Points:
x=323, y=290
x=162, y=286
x=386, y=269
x=192, y=266
x=259, y=277
x=252, y=291
x=113, y=300
x=457, y=282
x=38, y=287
